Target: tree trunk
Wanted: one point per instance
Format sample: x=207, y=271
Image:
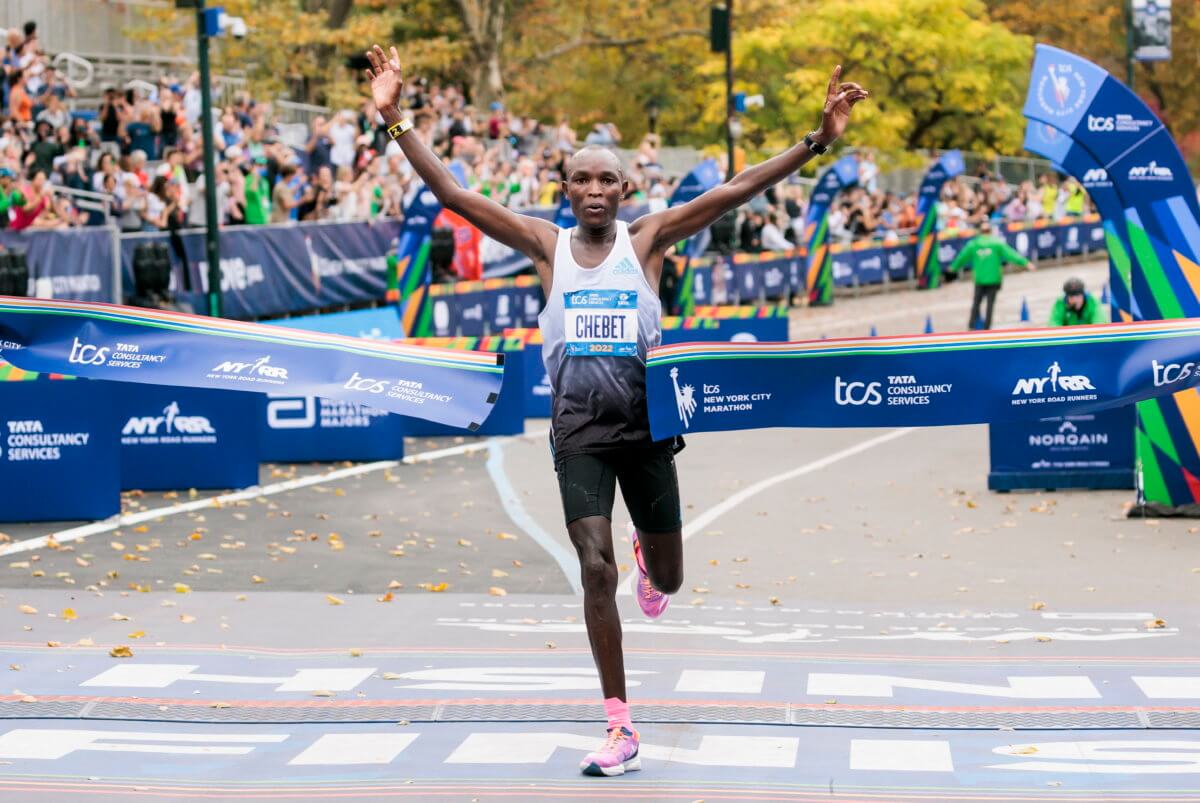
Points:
x=484, y=23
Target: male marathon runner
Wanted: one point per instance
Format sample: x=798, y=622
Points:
x=602, y=314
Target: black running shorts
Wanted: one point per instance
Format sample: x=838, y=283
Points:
x=648, y=483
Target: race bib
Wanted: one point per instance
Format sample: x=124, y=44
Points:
x=601, y=323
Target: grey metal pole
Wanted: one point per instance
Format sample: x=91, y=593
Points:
x=212, y=250
x=1129, y=43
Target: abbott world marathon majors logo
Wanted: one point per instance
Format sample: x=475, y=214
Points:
x=120, y=355
x=1055, y=386
x=902, y=390
x=168, y=428
x=257, y=371
x=1062, y=91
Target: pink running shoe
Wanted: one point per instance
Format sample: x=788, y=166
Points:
x=617, y=756
x=652, y=601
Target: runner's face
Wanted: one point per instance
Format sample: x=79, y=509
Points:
x=594, y=186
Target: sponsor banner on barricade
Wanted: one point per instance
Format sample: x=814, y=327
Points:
x=60, y=453
x=1074, y=451
x=302, y=429
x=818, y=278
x=124, y=344
x=75, y=264
x=927, y=267
x=535, y=381
x=180, y=438
x=273, y=270
x=508, y=413
x=382, y=323
x=476, y=309
x=923, y=380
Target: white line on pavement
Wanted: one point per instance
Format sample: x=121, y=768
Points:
x=724, y=506
x=108, y=525
x=522, y=518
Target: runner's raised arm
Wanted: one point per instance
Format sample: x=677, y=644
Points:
x=531, y=236
x=678, y=223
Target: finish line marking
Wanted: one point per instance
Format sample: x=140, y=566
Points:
x=253, y=492
x=707, y=517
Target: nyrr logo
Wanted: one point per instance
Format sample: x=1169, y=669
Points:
x=87, y=354
x=1096, y=175
x=1101, y=123
x=1171, y=373
x=172, y=423
x=258, y=368
x=1058, y=382
x=1151, y=172
x=685, y=399
x=856, y=394
x=365, y=384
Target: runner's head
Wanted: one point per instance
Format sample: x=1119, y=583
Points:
x=594, y=185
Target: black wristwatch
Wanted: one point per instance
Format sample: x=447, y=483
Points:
x=813, y=145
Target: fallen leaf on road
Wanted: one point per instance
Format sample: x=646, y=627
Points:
x=332, y=600
x=121, y=652
x=27, y=609
x=497, y=591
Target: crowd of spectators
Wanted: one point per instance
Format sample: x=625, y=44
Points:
x=138, y=151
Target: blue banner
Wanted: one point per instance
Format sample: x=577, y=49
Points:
x=928, y=268
x=302, y=429
x=273, y=270
x=818, y=280
x=60, y=456
x=507, y=416
x=1074, y=451
x=372, y=324
x=102, y=341
x=929, y=380
x=75, y=264
x=180, y=438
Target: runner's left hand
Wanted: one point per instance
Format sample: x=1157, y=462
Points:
x=839, y=100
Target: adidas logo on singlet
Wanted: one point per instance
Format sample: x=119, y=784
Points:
x=625, y=268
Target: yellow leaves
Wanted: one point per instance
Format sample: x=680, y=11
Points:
x=435, y=588
x=1043, y=639
x=82, y=562
x=355, y=652
x=464, y=542
x=196, y=536
x=1037, y=606
x=85, y=642
x=391, y=676
x=141, y=528
x=182, y=588
x=29, y=609
x=136, y=634
x=496, y=591
x=773, y=600
x=388, y=597
x=332, y=600
x=506, y=536
x=186, y=618
x=256, y=579
x=19, y=564
x=219, y=704
x=53, y=643
x=498, y=573
x=28, y=698
x=323, y=693
x=121, y=651
x=69, y=615
x=1026, y=750
x=336, y=543
x=395, y=584
x=1155, y=624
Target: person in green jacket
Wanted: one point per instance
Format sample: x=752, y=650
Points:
x=10, y=195
x=258, y=194
x=1075, y=307
x=986, y=254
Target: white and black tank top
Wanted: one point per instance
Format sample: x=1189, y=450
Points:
x=597, y=325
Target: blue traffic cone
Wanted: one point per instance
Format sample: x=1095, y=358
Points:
x=928, y=324
x=978, y=325
x=873, y=333
x=1104, y=297
x=1024, y=311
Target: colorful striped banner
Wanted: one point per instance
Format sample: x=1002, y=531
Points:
x=127, y=344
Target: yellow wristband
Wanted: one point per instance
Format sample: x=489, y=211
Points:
x=396, y=130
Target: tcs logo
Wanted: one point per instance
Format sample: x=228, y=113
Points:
x=87, y=354
x=856, y=394
x=1101, y=123
x=365, y=384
